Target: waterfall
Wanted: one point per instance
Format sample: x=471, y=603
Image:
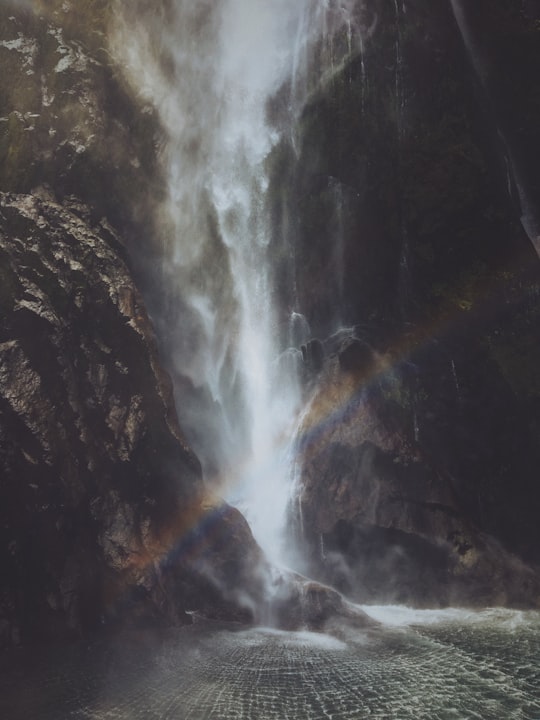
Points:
x=209, y=70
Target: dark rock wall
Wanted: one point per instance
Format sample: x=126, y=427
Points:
x=400, y=161
x=104, y=518
x=382, y=513
x=92, y=459
x=103, y=515
x=403, y=207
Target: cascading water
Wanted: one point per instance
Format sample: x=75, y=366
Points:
x=210, y=70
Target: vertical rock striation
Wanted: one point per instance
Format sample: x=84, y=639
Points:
x=420, y=446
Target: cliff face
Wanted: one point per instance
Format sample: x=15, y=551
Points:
x=103, y=517
x=400, y=197
x=103, y=514
x=410, y=203
x=387, y=495
x=86, y=422
x=69, y=122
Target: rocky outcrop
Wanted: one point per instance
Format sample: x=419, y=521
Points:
x=405, y=200
x=103, y=517
x=68, y=121
x=382, y=512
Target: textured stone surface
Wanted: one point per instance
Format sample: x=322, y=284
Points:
x=68, y=121
x=400, y=200
x=103, y=517
x=384, y=520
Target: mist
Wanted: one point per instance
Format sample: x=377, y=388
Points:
x=210, y=70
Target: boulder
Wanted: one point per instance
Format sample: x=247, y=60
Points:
x=381, y=517
x=295, y=602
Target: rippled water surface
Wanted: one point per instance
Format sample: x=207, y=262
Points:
x=418, y=664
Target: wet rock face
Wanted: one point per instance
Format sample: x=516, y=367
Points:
x=216, y=569
x=297, y=603
x=399, y=199
x=99, y=489
x=384, y=509
x=420, y=446
x=67, y=120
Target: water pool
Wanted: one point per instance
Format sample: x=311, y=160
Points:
x=450, y=664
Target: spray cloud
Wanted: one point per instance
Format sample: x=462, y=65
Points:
x=209, y=69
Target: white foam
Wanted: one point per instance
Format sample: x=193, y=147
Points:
x=403, y=616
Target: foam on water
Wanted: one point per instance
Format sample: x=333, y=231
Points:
x=403, y=616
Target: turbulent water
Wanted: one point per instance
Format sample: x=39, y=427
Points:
x=419, y=664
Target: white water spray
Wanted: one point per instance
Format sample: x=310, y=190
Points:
x=209, y=69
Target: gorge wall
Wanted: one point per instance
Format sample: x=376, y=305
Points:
x=412, y=198
x=403, y=197
x=104, y=517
